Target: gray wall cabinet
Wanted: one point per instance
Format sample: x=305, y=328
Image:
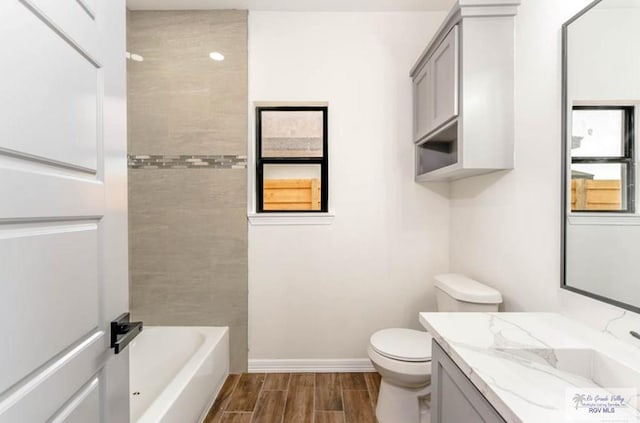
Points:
x=463, y=93
x=435, y=88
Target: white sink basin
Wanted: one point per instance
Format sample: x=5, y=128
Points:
x=603, y=370
x=582, y=367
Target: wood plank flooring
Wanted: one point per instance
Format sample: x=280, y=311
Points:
x=297, y=398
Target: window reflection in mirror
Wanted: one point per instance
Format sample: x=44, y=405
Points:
x=602, y=157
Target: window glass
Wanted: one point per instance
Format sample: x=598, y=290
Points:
x=597, y=133
x=292, y=164
x=292, y=134
x=291, y=187
x=598, y=187
x=602, y=158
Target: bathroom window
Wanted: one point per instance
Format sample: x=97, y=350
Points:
x=602, y=159
x=291, y=159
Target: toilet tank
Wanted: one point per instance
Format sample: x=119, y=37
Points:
x=455, y=292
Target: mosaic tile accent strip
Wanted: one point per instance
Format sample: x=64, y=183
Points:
x=187, y=162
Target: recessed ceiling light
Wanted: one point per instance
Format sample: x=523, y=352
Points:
x=218, y=57
x=136, y=57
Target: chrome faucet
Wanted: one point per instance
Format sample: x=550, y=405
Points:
x=634, y=334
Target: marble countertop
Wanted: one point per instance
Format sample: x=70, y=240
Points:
x=514, y=359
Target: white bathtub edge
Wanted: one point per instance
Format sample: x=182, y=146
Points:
x=213, y=398
x=165, y=408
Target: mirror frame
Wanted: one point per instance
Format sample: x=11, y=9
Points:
x=564, y=173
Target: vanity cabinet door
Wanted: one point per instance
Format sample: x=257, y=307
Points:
x=454, y=398
x=444, y=71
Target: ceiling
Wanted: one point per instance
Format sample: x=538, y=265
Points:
x=294, y=5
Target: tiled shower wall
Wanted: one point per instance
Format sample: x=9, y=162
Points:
x=187, y=129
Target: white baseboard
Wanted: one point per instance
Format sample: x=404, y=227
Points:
x=353, y=365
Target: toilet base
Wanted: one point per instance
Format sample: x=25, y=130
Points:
x=407, y=405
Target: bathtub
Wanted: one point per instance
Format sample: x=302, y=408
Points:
x=176, y=372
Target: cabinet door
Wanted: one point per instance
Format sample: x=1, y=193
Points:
x=422, y=103
x=444, y=77
x=454, y=398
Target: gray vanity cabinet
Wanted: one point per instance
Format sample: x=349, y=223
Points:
x=454, y=398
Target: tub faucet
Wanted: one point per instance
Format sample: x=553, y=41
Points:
x=634, y=334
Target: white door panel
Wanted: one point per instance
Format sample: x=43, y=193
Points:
x=61, y=95
x=54, y=269
x=42, y=395
x=45, y=191
x=89, y=6
x=84, y=407
x=74, y=19
x=63, y=229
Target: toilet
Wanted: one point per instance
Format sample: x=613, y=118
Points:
x=403, y=356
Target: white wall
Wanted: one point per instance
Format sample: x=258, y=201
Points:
x=505, y=227
x=318, y=292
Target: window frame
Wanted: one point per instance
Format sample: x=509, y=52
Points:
x=322, y=161
x=628, y=158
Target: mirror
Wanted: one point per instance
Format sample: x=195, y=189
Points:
x=601, y=101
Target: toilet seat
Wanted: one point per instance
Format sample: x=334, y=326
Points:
x=402, y=344
x=414, y=370
x=403, y=359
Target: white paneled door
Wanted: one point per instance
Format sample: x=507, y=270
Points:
x=63, y=211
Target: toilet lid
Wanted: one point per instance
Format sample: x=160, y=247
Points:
x=402, y=344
